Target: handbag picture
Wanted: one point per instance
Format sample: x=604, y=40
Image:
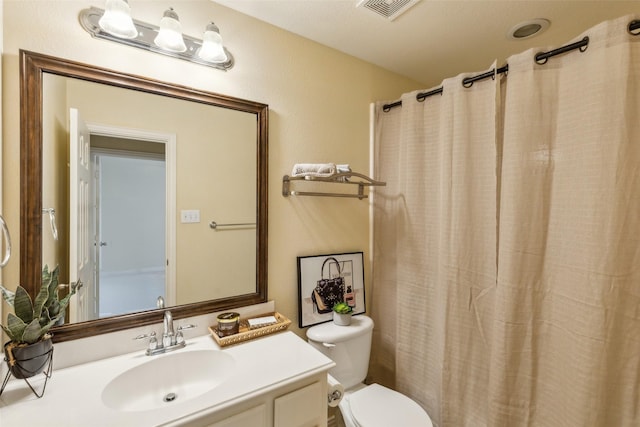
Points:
x=341, y=280
x=328, y=292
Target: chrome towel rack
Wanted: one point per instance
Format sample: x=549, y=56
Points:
x=338, y=178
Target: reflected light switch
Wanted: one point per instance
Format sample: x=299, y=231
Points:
x=189, y=216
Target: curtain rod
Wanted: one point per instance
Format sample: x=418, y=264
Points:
x=540, y=58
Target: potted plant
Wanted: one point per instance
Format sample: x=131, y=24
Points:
x=342, y=314
x=29, y=347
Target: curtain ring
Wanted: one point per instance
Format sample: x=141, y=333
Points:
x=541, y=60
x=420, y=98
x=583, y=48
x=386, y=108
x=634, y=28
x=467, y=82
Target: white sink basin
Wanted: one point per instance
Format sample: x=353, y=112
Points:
x=168, y=380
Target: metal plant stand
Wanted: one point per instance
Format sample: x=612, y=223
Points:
x=26, y=374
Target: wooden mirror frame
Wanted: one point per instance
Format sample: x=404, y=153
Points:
x=33, y=66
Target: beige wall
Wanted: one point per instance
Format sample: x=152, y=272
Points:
x=1, y=137
x=55, y=193
x=318, y=100
x=214, y=147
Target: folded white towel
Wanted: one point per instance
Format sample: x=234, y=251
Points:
x=313, y=169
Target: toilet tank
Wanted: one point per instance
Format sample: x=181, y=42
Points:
x=348, y=346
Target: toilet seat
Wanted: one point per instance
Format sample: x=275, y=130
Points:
x=378, y=406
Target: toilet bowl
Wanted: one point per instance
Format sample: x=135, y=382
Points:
x=363, y=405
x=378, y=406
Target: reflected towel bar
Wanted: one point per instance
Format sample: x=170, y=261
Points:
x=7, y=242
x=52, y=221
x=214, y=225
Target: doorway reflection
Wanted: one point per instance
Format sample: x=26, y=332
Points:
x=130, y=200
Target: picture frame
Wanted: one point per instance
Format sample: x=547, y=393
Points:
x=324, y=280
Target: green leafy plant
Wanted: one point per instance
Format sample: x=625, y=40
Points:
x=342, y=308
x=33, y=318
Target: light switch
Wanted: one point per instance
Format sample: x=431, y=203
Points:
x=190, y=216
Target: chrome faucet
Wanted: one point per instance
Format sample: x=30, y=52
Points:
x=168, y=336
x=170, y=339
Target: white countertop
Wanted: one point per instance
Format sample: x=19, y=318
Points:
x=73, y=395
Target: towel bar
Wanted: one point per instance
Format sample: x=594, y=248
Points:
x=315, y=193
x=52, y=221
x=214, y=225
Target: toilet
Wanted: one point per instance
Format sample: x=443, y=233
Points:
x=363, y=405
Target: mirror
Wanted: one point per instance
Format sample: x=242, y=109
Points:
x=232, y=192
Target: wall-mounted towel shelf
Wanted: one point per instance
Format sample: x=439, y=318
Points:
x=352, y=178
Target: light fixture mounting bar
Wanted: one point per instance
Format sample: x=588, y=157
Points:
x=144, y=40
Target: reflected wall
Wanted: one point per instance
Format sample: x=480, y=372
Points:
x=215, y=174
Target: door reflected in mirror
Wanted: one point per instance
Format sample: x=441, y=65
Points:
x=130, y=229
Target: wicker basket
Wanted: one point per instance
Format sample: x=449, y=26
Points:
x=246, y=334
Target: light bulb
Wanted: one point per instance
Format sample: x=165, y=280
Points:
x=212, y=49
x=117, y=21
x=170, y=34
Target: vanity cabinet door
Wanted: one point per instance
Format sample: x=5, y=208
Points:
x=254, y=417
x=304, y=407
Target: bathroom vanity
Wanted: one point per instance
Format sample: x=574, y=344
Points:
x=278, y=381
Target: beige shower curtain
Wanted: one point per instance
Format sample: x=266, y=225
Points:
x=435, y=237
x=506, y=283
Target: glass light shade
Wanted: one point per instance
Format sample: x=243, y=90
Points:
x=170, y=35
x=212, y=49
x=117, y=21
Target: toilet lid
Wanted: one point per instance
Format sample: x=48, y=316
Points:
x=378, y=406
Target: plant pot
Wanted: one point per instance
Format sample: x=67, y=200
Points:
x=342, y=319
x=28, y=360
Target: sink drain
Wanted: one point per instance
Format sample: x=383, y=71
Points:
x=170, y=397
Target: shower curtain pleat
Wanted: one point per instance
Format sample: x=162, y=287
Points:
x=566, y=349
x=436, y=220
x=506, y=271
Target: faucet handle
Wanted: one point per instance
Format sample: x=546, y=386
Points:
x=153, y=341
x=180, y=335
x=143, y=336
x=187, y=326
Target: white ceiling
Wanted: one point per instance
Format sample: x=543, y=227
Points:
x=433, y=40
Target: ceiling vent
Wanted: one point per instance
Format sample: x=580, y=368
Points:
x=389, y=9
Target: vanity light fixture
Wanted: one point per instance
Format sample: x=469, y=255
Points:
x=167, y=39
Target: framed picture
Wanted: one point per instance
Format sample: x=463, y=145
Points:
x=325, y=280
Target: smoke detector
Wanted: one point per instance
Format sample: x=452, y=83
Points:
x=389, y=9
